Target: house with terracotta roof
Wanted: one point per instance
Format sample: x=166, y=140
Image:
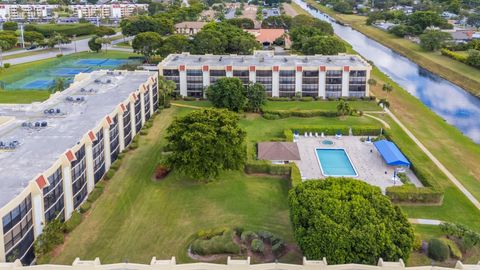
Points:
x=189, y=28
x=267, y=36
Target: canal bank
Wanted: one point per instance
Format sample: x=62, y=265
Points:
x=454, y=71
x=458, y=153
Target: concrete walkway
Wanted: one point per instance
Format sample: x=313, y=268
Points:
x=185, y=106
x=423, y=221
x=385, y=124
x=436, y=161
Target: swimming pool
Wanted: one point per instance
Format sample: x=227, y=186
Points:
x=335, y=162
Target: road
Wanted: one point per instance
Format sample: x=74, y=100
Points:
x=77, y=46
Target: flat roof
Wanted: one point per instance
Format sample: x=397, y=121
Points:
x=39, y=148
x=263, y=59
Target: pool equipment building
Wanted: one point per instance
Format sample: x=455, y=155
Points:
x=320, y=76
x=53, y=153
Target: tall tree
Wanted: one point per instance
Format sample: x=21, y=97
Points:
x=205, y=142
x=93, y=45
x=326, y=45
x=165, y=91
x=434, y=40
x=147, y=43
x=256, y=97
x=174, y=44
x=343, y=108
x=348, y=221
x=227, y=93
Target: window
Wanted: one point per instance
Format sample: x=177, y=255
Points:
x=146, y=102
x=114, y=142
x=127, y=127
x=53, y=203
x=79, y=179
x=138, y=116
x=98, y=157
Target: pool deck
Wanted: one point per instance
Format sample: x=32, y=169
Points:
x=365, y=158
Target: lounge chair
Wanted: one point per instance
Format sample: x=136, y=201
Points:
x=316, y=134
x=311, y=135
x=306, y=134
x=338, y=136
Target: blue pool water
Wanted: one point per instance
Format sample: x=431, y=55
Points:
x=335, y=162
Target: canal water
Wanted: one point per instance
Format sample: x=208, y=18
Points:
x=452, y=103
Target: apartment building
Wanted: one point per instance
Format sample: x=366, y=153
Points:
x=14, y=12
x=109, y=11
x=319, y=76
x=53, y=153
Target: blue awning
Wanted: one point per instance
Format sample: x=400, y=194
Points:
x=391, y=154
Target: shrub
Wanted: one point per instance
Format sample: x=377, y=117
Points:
x=270, y=116
x=7, y=65
x=115, y=165
x=454, y=55
x=278, y=248
x=51, y=236
x=218, y=244
x=208, y=234
x=109, y=175
x=48, y=29
x=238, y=230
x=143, y=132
x=133, y=145
x=469, y=237
x=189, y=98
x=306, y=99
x=85, y=207
x=258, y=246
x=366, y=131
x=248, y=236
x=73, y=222
x=295, y=176
x=161, y=172
x=265, y=235
x=59, y=55
x=452, y=246
x=327, y=130
x=417, y=242
x=267, y=168
x=438, y=250
x=279, y=99
x=411, y=194
x=96, y=192
x=288, y=133
x=300, y=113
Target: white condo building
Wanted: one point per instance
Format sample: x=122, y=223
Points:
x=53, y=153
x=319, y=76
x=13, y=12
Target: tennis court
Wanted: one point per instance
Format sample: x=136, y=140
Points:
x=44, y=78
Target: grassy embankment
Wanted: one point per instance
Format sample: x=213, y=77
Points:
x=459, y=73
x=19, y=71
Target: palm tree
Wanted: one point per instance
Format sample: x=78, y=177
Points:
x=384, y=103
x=165, y=89
x=387, y=88
x=3, y=45
x=343, y=107
x=59, y=85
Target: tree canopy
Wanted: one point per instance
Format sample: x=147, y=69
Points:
x=94, y=45
x=227, y=93
x=282, y=21
x=256, y=97
x=205, y=142
x=326, y=45
x=147, y=44
x=433, y=40
x=174, y=44
x=134, y=25
x=306, y=20
x=348, y=221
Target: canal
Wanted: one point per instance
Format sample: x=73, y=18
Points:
x=452, y=103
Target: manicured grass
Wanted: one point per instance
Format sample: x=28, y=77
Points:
x=320, y=105
x=137, y=218
x=196, y=103
x=457, y=72
x=298, y=9
x=23, y=96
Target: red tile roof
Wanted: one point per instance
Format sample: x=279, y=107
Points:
x=41, y=181
x=267, y=35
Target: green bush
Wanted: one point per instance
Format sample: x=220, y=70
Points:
x=51, y=236
x=116, y=165
x=133, y=145
x=469, y=237
x=279, y=99
x=452, y=246
x=7, y=65
x=248, y=236
x=453, y=55
x=408, y=193
x=73, y=222
x=93, y=196
x=266, y=167
x=189, y=98
x=438, y=250
x=238, y=230
x=208, y=234
x=219, y=244
x=59, y=55
x=366, y=131
x=100, y=185
x=109, y=175
x=265, y=235
x=278, y=248
x=288, y=134
x=258, y=246
x=327, y=130
x=417, y=242
x=85, y=207
x=295, y=175
x=78, y=29
x=300, y=113
x=307, y=99
x=270, y=116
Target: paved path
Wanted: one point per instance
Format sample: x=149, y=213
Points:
x=436, y=161
x=423, y=221
x=385, y=124
x=185, y=105
x=81, y=46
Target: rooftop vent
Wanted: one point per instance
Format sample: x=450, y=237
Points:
x=220, y=59
x=262, y=59
x=175, y=58
x=352, y=58
x=242, y=59
x=329, y=60
x=285, y=59
x=110, y=73
x=75, y=99
x=305, y=60
x=199, y=59
x=52, y=111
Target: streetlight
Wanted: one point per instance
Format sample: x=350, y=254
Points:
x=21, y=35
x=75, y=42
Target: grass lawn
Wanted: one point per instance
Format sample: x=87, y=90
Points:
x=137, y=218
x=457, y=72
x=23, y=96
x=320, y=105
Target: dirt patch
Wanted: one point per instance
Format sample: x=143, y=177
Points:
x=161, y=171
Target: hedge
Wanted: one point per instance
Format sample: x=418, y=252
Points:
x=301, y=113
x=47, y=30
x=85, y=207
x=93, y=196
x=73, y=222
x=327, y=130
x=411, y=194
x=288, y=134
x=291, y=170
x=295, y=176
x=366, y=131
x=454, y=55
